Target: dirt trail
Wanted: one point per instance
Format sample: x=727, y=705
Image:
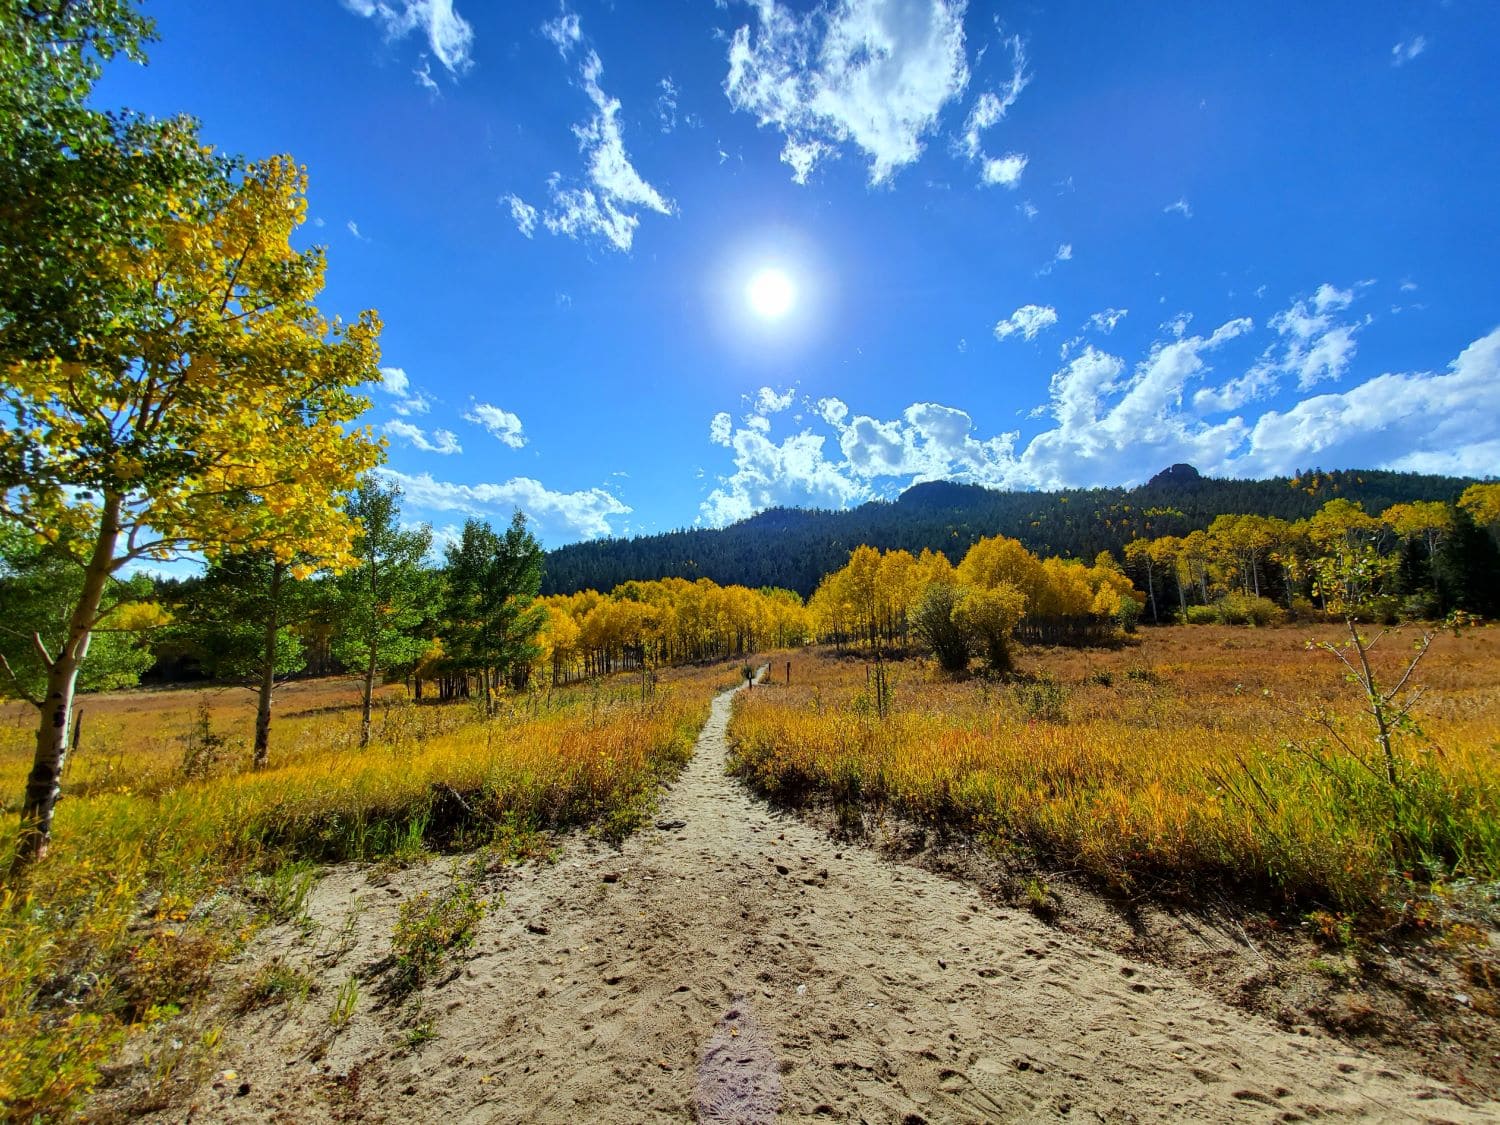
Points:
x=746, y=967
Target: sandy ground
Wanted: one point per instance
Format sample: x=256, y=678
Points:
x=746, y=967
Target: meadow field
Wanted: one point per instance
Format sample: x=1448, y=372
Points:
x=1187, y=758
x=169, y=852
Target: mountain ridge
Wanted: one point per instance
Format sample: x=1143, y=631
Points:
x=795, y=547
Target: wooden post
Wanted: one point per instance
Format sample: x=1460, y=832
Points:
x=788, y=673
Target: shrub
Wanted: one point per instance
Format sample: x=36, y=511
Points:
x=429, y=928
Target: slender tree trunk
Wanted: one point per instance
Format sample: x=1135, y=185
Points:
x=369, y=693
x=267, y=674
x=44, y=784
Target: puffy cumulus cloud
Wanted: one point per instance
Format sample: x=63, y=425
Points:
x=442, y=441
x=929, y=441
x=832, y=410
x=1424, y=422
x=523, y=214
x=1108, y=421
x=449, y=36
x=768, y=401
x=1106, y=320
x=558, y=516
x=395, y=382
x=872, y=73
x=1113, y=429
x=502, y=424
x=1028, y=320
x=1004, y=171
x=720, y=427
x=794, y=471
x=608, y=205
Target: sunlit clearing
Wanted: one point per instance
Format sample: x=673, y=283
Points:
x=771, y=293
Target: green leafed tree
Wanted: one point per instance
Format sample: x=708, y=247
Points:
x=38, y=590
x=384, y=598
x=491, y=612
x=240, y=621
x=211, y=413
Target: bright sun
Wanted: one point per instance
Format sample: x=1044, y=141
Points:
x=771, y=293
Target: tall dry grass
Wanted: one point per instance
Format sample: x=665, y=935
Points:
x=156, y=873
x=1197, y=758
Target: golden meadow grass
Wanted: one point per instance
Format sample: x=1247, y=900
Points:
x=1162, y=765
x=128, y=914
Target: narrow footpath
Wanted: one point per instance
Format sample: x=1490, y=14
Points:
x=739, y=965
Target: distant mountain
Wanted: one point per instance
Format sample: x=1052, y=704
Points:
x=795, y=547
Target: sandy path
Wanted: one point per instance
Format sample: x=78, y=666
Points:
x=746, y=966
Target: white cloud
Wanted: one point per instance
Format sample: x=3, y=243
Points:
x=522, y=212
x=1028, y=209
x=1028, y=320
x=1313, y=346
x=353, y=229
x=584, y=514
x=1064, y=254
x=720, y=427
x=1004, y=171
x=990, y=108
x=768, y=401
x=423, y=75
x=1328, y=298
x=395, y=382
x=1408, y=49
x=449, y=36
x=872, y=73
x=767, y=474
x=666, y=104
x=502, y=424
x=564, y=32
x=1181, y=207
x=1117, y=423
x=832, y=410
x=608, y=207
x=1106, y=320
x=442, y=441
x=1423, y=422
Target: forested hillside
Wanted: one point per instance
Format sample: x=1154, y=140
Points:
x=794, y=548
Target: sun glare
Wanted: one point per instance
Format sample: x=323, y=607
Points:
x=771, y=294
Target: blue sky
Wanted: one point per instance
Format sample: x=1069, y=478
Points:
x=1027, y=245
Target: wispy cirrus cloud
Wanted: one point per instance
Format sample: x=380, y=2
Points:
x=607, y=204
x=1408, y=49
x=441, y=441
x=450, y=38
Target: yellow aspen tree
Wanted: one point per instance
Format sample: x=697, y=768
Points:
x=211, y=414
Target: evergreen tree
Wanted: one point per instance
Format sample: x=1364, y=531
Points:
x=381, y=601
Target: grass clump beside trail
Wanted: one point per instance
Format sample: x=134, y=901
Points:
x=1201, y=758
x=146, y=889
